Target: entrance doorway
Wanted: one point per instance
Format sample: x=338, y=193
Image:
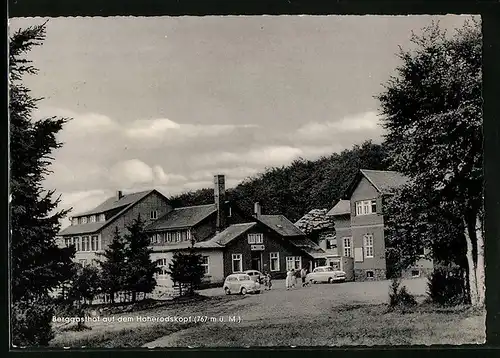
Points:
x=257, y=261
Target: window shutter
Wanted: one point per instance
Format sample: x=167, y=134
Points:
x=358, y=254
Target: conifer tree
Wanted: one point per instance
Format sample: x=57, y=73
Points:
x=186, y=269
x=140, y=269
x=113, y=275
x=38, y=265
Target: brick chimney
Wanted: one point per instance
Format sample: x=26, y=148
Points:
x=220, y=199
x=119, y=195
x=257, y=211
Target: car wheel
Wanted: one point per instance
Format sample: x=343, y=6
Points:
x=226, y=290
x=243, y=291
x=330, y=280
x=312, y=281
x=257, y=292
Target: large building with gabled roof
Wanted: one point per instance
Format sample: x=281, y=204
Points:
x=359, y=224
x=92, y=231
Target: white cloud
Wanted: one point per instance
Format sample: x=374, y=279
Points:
x=162, y=178
x=163, y=128
x=131, y=172
x=269, y=155
x=363, y=122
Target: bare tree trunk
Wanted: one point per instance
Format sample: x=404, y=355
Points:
x=472, y=269
x=480, y=277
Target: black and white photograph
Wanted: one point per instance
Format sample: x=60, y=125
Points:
x=246, y=181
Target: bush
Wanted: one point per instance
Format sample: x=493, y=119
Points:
x=31, y=323
x=400, y=297
x=446, y=286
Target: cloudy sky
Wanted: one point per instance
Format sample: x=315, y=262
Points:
x=168, y=102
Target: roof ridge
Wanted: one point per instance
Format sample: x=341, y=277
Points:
x=381, y=171
x=193, y=206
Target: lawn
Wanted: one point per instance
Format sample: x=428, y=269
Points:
x=322, y=315
x=364, y=325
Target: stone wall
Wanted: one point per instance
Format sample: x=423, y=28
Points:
x=378, y=274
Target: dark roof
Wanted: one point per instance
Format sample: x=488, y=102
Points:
x=231, y=233
x=126, y=202
x=88, y=228
x=112, y=203
x=209, y=244
x=182, y=217
x=343, y=207
x=384, y=181
x=281, y=225
x=309, y=247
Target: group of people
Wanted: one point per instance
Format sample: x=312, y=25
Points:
x=292, y=276
x=291, y=279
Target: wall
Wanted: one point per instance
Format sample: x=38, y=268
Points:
x=272, y=243
x=368, y=224
x=144, y=207
x=215, y=268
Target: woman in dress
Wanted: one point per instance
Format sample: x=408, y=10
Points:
x=289, y=279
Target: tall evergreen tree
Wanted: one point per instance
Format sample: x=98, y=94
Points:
x=140, y=269
x=186, y=269
x=38, y=265
x=113, y=266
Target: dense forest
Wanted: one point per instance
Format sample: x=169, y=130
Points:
x=303, y=185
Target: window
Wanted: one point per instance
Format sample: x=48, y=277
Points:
x=366, y=207
x=77, y=244
x=83, y=262
x=369, y=274
x=255, y=238
x=153, y=215
x=368, y=244
x=94, y=243
x=331, y=244
x=74, y=221
x=84, y=220
x=230, y=213
x=347, y=246
x=86, y=244
x=102, y=218
x=92, y=218
x=293, y=262
x=237, y=264
x=80, y=220
x=415, y=273
x=274, y=258
x=205, y=264
x=162, y=264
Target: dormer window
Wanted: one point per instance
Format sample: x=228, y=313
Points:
x=92, y=218
x=84, y=220
x=255, y=238
x=366, y=207
x=153, y=215
x=102, y=218
x=74, y=221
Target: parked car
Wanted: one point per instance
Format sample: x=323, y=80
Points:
x=325, y=274
x=240, y=283
x=255, y=275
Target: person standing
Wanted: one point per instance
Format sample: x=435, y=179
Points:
x=303, y=274
x=289, y=278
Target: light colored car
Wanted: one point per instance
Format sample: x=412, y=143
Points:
x=255, y=275
x=325, y=274
x=240, y=283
